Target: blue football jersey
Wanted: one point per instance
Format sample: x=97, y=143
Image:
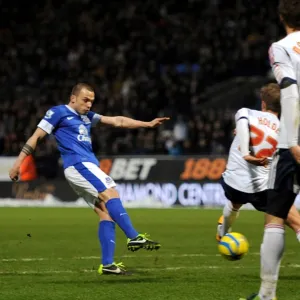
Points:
x=72, y=132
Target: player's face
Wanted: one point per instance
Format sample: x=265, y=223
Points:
x=84, y=101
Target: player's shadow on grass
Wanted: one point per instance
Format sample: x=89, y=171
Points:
x=112, y=281
x=134, y=278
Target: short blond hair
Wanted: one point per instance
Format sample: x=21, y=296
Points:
x=270, y=94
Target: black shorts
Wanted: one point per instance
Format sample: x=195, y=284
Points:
x=258, y=200
x=283, y=183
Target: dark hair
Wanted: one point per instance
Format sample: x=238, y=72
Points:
x=79, y=86
x=270, y=94
x=289, y=10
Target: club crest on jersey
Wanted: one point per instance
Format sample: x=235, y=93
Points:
x=108, y=180
x=83, y=134
x=85, y=119
x=49, y=114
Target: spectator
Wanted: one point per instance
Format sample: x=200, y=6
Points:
x=143, y=58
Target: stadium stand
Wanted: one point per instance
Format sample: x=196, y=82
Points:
x=145, y=58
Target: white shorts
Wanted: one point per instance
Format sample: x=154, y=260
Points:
x=88, y=180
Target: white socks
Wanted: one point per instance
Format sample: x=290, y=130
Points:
x=229, y=214
x=272, y=250
x=298, y=235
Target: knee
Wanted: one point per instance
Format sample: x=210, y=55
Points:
x=108, y=194
x=103, y=215
x=270, y=219
x=236, y=206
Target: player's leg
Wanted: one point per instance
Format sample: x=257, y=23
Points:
x=107, y=239
x=293, y=221
x=236, y=199
x=280, y=199
x=230, y=213
x=260, y=202
x=118, y=213
x=94, y=181
x=106, y=227
x=271, y=252
x=106, y=234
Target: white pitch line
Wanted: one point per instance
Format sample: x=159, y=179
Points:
x=30, y=259
x=33, y=272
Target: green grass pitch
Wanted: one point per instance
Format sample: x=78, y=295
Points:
x=52, y=253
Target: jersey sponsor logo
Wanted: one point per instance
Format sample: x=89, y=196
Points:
x=83, y=134
x=70, y=118
x=49, y=114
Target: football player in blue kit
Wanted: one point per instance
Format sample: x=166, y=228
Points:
x=71, y=125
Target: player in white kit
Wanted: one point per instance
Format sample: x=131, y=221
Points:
x=285, y=169
x=71, y=125
x=246, y=176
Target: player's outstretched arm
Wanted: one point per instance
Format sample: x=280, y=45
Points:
x=28, y=148
x=124, y=122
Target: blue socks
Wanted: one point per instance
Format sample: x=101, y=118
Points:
x=107, y=233
x=119, y=215
x=107, y=237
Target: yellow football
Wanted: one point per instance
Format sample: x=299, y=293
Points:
x=233, y=246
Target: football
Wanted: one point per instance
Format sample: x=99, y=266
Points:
x=233, y=246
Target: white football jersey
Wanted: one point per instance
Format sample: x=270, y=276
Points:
x=264, y=129
x=285, y=60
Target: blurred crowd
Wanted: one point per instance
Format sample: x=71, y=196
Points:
x=145, y=59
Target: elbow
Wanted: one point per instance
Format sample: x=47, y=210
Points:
x=118, y=122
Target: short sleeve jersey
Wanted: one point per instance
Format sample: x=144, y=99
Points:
x=264, y=129
x=72, y=132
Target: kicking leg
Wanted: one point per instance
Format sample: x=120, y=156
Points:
x=118, y=213
x=230, y=213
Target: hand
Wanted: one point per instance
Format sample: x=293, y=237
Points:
x=14, y=173
x=158, y=121
x=296, y=153
x=263, y=161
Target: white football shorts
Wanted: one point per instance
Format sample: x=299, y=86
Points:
x=88, y=180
